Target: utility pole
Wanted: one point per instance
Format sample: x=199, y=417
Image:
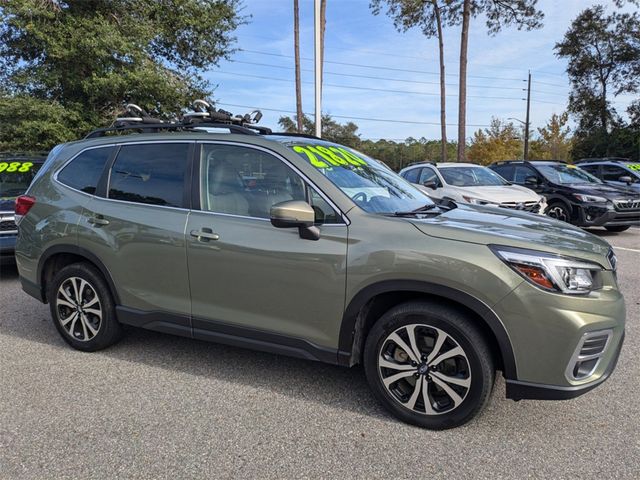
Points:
x=296, y=47
x=318, y=67
x=526, y=122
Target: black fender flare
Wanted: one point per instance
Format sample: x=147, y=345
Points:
x=349, y=328
x=81, y=252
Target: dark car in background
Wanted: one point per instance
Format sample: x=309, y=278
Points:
x=619, y=172
x=574, y=195
x=17, y=170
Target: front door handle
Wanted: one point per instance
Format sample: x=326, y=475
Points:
x=98, y=220
x=205, y=235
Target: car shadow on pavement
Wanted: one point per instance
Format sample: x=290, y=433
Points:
x=338, y=387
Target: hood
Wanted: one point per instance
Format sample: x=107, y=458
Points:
x=493, y=225
x=603, y=190
x=499, y=193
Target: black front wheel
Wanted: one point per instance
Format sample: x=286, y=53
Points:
x=429, y=365
x=559, y=211
x=618, y=228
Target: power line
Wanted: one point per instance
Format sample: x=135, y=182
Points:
x=377, y=67
x=384, y=120
x=350, y=87
x=373, y=77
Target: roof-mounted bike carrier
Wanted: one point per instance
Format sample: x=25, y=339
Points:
x=204, y=115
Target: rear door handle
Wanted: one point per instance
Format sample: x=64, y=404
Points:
x=205, y=234
x=98, y=220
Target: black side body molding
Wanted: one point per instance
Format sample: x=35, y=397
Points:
x=349, y=331
x=219, y=332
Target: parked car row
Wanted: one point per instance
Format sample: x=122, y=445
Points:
x=566, y=192
x=299, y=246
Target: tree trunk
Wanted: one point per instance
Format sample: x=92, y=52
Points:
x=443, y=115
x=462, y=95
x=296, y=46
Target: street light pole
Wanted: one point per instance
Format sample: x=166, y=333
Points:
x=526, y=123
x=318, y=68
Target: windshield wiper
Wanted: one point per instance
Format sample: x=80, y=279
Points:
x=417, y=211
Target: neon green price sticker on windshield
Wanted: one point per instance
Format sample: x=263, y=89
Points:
x=328, y=157
x=17, y=167
x=635, y=167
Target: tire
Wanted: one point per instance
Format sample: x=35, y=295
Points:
x=618, y=228
x=89, y=324
x=559, y=211
x=473, y=369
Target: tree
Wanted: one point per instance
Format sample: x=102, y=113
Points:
x=501, y=141
x=296, y=47
x=603, y=54
x=498, y=13
x=88, y=57
x=555, y=140
x=331, y=130
x=428, y=15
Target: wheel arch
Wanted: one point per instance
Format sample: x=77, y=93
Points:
x=59, y=256
x=374, y=300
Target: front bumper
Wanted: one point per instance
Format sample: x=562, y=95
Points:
x=517, y=390
x=8, y=244
x=601, y=215
x=546, y=329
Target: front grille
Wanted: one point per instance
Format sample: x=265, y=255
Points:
x=532, y=206
x=626, y=205
x=7, y=226
x=588, y=354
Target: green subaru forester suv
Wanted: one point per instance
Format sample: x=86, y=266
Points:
x=298, y=246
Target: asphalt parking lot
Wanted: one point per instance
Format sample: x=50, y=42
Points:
x=158, y=406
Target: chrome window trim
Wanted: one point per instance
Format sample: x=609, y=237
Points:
x=290, y=165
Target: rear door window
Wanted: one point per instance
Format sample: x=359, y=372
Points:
x=84, y=171
x=505, y=171
x=150, y=173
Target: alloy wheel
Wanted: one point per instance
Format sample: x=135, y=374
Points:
x=424, y=369
x=558, y=213
x=78, y=309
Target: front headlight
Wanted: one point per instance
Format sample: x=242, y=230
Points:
x=552, y=272
x=589, y=198
x=477, y=201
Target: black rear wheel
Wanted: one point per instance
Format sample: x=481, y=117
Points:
x=82, y=308
x=429, y=365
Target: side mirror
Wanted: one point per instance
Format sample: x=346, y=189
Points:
x=430, y=184
x=531, y=181
x=626, y=179
x=295, y=213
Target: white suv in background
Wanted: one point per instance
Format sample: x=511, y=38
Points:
x=471, y=183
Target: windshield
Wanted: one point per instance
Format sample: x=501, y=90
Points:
x=372, y=185
x=566, y=174
x=471, y=176
x=15, y=177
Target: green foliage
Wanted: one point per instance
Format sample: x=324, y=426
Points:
x=603, y=54
x=331, y=130
x=85, y=58
x=555, y=140
x=501, y=141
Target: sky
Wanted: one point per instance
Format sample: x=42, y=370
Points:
x=402, y=99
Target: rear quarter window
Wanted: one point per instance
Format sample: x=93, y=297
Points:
x=84, y=171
